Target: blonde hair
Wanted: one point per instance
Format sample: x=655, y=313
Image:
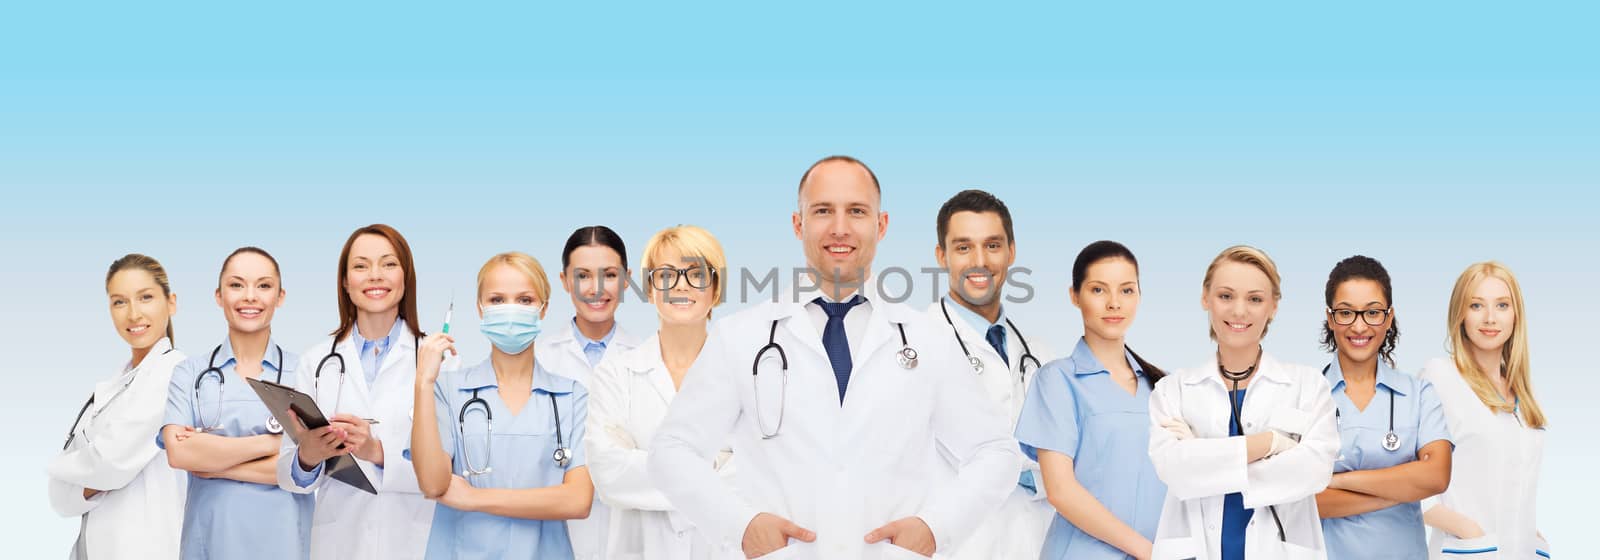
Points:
x=1514, y=354
x=690, y=242
x=1245, y=254
x=522, y=263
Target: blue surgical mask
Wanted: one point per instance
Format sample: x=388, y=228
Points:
x=510, y=327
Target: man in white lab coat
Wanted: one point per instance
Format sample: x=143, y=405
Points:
x=977, y=249
x=834, y=415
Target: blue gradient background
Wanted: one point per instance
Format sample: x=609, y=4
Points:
x=1429, y=136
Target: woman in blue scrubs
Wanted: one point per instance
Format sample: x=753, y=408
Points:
x=1394, y=444
x=1087, y=421
x=219, y=430
x=505, y=459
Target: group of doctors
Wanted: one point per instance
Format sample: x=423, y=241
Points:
x=836, y=423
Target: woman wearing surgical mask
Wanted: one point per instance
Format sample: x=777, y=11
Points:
x=221, y=432
x=361, y=375
x=505, y=458
x=1244, y=442
x=594, y=273
x=1486, y=387
x=110, y=473
x=630, y=393
x=1086, y=420
x=1395, y=449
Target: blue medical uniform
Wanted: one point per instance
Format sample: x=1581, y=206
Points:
x=229, y=519
x=1076, y=409
x=520, y=455
x=1395, y=532
x=1235, y=518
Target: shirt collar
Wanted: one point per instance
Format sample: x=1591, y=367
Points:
x=1387, y=377
x=604, y=340
x=362, y=344
x=973, y=319
x=482, y=377
x=807, y=290
x=225, y=355
x=1085, y=363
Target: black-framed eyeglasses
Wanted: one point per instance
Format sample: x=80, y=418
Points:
x=1374, y=317
x=666, y=277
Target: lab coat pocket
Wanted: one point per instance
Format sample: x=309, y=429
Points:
x=1178, y=548
x=791, y=550
x=888, y=551
x=1481, y=547
x=1291, y=551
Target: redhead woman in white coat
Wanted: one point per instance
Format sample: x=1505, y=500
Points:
x=630, y=392
x=110, y=472
x=594, y=271
x=1244, y=442
x=364, y=372
x=1486, y=390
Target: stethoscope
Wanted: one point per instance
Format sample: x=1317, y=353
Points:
x=1235, y=410
x=907, y=357
x=1391, y=440
x=562, y=456
x=73, y=431
x=977, y=364
x=333, y=354
x=273, y=427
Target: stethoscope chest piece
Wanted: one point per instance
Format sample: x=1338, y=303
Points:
x=907, y=358
x=1391, y=441
x=977, y=364
x=273, y=427
x=562, y=456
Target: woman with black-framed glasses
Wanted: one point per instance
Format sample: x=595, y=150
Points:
x=630, y=392
x=1394, y=445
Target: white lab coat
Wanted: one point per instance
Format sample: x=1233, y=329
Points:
x=631, y=390
x=559, y=349
x=1018, y=529
x=1199, y=472
x=139, y=512
x=1494, y=473
x=348, y=523
x=840, y=470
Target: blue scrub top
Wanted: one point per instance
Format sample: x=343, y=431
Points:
x=1395, y=532
x=228, y=519
x=520, y=454
x=1235, y=518
x=1076, y=409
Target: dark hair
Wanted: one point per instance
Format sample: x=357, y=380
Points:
x=974, y=200
x=136, y=261
x=1103, y=251
x=408, y=300
x=1361, y=267
x=252, y=250
x=847, y=159
x=593, y=235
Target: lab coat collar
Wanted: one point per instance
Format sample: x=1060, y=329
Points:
x=1270, y=369
x=1085, y=363
x=482, y=377
x=1387, y=377
x=645, y=359
x=159, y=348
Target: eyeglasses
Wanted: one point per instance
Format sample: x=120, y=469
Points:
x=666, y=277
x=1374, y=317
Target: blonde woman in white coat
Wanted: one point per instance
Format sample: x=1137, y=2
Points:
x=1486, y=390
x=594, y=272
x=110, y=472
x=630, y=392
x=362, y=377
x=1245, y=442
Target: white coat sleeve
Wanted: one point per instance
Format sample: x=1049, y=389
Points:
x=1196, y=467
x=1305, y=469
x=122, y=442
x=288, y=450
x=701, y=420
x=619, y=472
x=975, y=432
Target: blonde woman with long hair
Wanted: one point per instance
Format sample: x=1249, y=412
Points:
x=1485, y=387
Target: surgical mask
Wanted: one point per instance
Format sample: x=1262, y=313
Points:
x=510, y=327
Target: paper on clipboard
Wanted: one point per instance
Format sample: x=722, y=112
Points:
x=282, y=398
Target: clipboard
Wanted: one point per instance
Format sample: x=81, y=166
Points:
x=280, y=398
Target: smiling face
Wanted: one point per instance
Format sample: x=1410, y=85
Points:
x=682, y=304
x=594, y=278
x=839, y=224
x=1490, y=315
x=1358, y=341
x=1239, y=302
x=976, y=253
x=250, y=292
x=1108, y=298
x=140, y=309
x=374, y=279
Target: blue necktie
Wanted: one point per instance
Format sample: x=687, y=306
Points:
x=835, y=342
x=997, y=339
